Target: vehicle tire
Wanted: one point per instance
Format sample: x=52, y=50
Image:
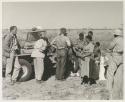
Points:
x=26, y=70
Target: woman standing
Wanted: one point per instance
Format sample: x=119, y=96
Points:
x=85, y=56
x=94, y=62
x=38, y=55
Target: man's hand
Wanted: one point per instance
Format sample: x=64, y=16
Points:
x=41, y=50
x=28, y=45
x=83, y=58
x=108, y=50
x=14, y=48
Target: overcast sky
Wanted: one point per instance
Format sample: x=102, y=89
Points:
x=62, y=14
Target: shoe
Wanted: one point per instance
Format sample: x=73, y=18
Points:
x=12, y=82
x=62, y=79
x=18, y=82
x=39, y=81
x=56, y=79
x=8, y=79
x=72, y=74
x=77, y=74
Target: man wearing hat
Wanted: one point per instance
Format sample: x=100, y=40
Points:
x=35, y=33
x=115, y=69
x=38, y=55
x=61, y=43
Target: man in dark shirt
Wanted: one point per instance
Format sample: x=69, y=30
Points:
x=10, y=48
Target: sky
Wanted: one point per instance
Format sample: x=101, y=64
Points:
x=53, y=15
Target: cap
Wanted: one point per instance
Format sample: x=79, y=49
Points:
x=117, y=32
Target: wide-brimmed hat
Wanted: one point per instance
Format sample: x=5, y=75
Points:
x=117, y=32
x=37, y=29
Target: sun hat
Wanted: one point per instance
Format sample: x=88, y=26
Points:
x=37, y=29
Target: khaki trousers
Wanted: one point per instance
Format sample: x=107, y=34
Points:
x=117, y=91
x=39, y=67
x=61, y=64
x=114, y=75
x=12, y=68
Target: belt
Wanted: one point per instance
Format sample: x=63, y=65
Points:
x=119, y=53
x=61, y=48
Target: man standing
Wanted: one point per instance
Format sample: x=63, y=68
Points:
x=115, y=69
x=10, y=48
x=61, y=43
x=38, y=55
x=78, y=48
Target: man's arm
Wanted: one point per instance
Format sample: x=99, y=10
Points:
x=18, y=44
x=6, y=44
x=53, y=41
x=112, y=45
x=44, y=45
x=90, y=51
x=68, y=42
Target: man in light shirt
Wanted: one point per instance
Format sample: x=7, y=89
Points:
x=38, y=55
x=115, y=69
x=61, y=43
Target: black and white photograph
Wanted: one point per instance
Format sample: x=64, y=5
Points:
x=62, y=50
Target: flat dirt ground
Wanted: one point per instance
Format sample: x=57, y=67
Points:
x=71, y=89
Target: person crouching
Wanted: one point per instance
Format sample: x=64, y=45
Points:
x=38, y=56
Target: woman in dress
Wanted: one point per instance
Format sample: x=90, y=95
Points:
x=85, y=56
x=94, y=62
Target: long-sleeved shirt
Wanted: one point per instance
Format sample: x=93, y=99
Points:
x=10, y=43
x=116, y=45
x=61, y=41
x=39, y=47
x=7, y=46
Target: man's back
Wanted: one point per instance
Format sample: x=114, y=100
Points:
x=61, y=41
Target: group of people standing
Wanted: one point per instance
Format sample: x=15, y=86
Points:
x=82, y=49
x=85, y=54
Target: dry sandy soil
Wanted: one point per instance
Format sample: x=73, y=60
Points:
x=55, y=90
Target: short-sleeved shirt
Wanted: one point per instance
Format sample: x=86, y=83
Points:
x=80, y=43
x=89, y=48
x=61, y=41
x=117, y=44
x=39, y=45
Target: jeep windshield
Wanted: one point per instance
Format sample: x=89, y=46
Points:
x=33, y=36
